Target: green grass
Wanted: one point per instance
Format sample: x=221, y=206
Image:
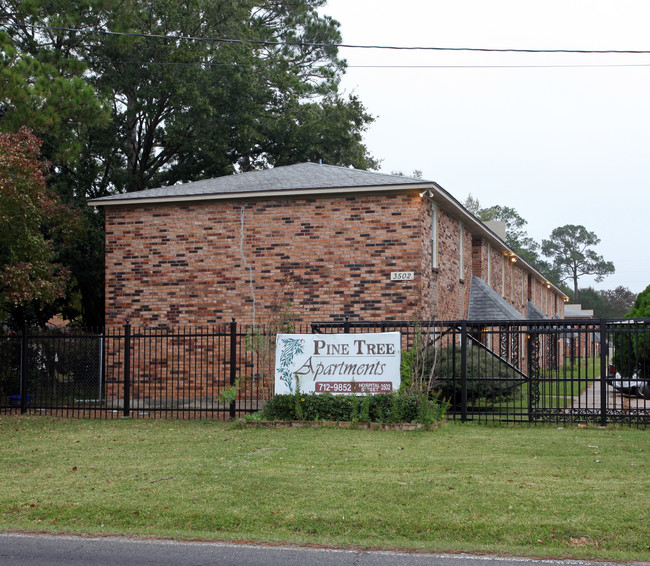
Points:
x=536, y=491
x=557, y=388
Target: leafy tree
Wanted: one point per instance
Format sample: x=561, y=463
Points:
x=516, y=236
x=632, y=349
x=611, y=303
x=641, y=307
x=569, y=247
x=54, y=100
x=473, y=205
x=180, y=109
x=619, y=301
x=33, y=225
x=186, y=109
x=590, y=299
x=416, y=174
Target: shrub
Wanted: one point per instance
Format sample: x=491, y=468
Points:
x=384, y=408
x=327, y=407
x=488, y=377
x=632, y=341
x=418, y=362
x=280, y=408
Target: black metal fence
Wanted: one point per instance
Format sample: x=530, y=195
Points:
x=525, y=371
x=208, y=372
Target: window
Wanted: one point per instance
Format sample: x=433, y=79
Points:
x=461, y=252
x=434, y=235
x=489, y=264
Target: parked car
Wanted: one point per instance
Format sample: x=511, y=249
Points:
x=634, y=386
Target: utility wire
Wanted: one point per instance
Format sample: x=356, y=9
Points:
x=577, y=66
x=338, y=45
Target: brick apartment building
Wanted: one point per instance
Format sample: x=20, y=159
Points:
x=332, y=241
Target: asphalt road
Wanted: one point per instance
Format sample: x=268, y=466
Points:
x=33, y=550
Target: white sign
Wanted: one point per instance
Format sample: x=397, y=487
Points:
x=402, y=275
x=338, y=363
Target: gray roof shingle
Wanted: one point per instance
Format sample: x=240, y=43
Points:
x=302, y=176
x=486, y=304
x=533, y=313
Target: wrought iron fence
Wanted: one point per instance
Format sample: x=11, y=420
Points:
x=525, y=371
x=208, y=372
x=531, y=371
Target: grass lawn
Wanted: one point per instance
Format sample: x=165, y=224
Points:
x=535, y=491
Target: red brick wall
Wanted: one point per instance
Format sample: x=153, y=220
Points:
x=513, y=282
x=328, y=256
x=545, y=298
x=453, y=281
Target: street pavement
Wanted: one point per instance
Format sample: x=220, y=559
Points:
x=48, y=550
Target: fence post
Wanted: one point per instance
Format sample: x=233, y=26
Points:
x=463, y=370
x=23, y=371
x=101, y=369
x=233, y=362
x=346, y=325
x=127, y=369
x=603, y=372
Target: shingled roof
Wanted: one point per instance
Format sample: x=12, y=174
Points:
x=486, y=304
x=533, y=313
x=299, y=177
x=304, y=179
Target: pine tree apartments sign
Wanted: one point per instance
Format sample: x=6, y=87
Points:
x=338, y=363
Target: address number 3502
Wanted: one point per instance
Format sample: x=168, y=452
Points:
x=402, y=276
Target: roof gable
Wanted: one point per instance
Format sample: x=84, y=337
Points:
x=533, y=313
x=486, y=304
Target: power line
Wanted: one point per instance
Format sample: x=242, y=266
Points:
x=406, y=67
x=613, y=65
x=338, y=45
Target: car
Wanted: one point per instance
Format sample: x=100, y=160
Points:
x=635, y=386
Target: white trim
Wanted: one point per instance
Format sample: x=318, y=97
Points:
x=461, y=251
x=256, y=194
x=489, y=264
x=442, y=198
x=434, y=235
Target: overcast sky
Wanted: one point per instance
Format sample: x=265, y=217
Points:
x=567, y=144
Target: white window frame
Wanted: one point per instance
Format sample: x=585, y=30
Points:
x=461, y=251
x=489, y=264
x=434, y=235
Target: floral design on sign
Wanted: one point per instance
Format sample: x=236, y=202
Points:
x=291, y=347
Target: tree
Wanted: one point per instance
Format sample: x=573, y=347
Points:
x=417, y=174
x=632, y=349
x=33, y=223
x=569, y=248
x=186, y=109
x=260, y=90
x=517, y=238
x=54, y=101
x=611, y=303
x=619, y=301
x=641, y=307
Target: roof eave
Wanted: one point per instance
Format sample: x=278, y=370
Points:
x=261, y=194
x=477, y=225
x=440, y=196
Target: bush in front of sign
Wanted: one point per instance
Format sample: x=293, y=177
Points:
x=280, y=408
x=409, y=407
